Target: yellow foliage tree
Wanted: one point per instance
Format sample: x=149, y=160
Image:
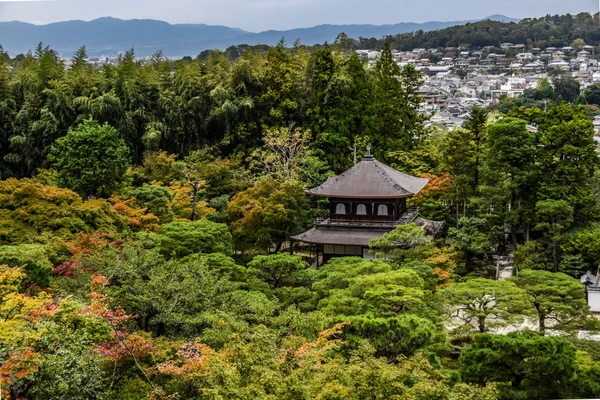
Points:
x=20, y=316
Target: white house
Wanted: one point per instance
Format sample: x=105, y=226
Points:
x=525, y=56
x=583, y=55
x=593, y=291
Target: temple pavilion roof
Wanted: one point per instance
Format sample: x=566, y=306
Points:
x=370, y=179
x=358, y=237
x=348, y=237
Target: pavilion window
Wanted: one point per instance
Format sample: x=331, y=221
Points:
x=382, y=210
x=340, y=209
x=361, y=209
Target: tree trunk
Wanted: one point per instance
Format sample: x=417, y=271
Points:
x=476, y=183
x=160, y=329
x=468, y=261
x=456, y=215
x=194, y=202
x=542, y=324
x=481, y=323
x=555, y=257
x=513, y=236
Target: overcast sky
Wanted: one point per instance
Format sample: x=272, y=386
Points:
x=257, y=15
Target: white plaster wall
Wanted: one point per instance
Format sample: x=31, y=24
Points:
x=594, y=301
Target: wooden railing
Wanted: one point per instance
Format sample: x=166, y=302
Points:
x=408, y=217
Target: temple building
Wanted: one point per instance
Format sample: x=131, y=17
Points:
x=366, y=201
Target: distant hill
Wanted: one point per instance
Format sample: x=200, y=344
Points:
x=543, y=32
x=111, y=35
x=323, y=33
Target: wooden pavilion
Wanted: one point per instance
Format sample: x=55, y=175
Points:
x=366, y=201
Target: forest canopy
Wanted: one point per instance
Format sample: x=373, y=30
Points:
x=146, y=209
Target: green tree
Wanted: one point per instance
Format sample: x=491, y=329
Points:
x=565, y=86
x=402, y=335
x=72, y=371
x=179, y=239
x=554, y=218
x=45, y=110
x=91, y=159
x=79, y=59
x=530, y=255
x=338, y=272
x=404, y=243
x=525, y=364
x=221, y=176
x=348, y=100
x=545, y=89
x=474, y=237
x=585, y=242
x=281, y=87
x=559, y=300
x=35, y=259
x=8, y=111
x=277, y=269
x=485, y=304
x=267, y=214
x=320, y=71
x=511, y=175
x=460, y=159
x=385, y=294
x=170, y=297
x=397, y=123
x=155, y=199
x=591, y=94
x=476, y=125
x=568, y=159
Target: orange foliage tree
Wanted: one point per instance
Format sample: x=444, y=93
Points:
x=125, y=346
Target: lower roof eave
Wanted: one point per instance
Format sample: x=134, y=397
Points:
x=338, y=237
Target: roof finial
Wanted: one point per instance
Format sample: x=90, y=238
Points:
x=368, y=156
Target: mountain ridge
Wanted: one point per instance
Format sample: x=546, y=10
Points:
x=109, y=35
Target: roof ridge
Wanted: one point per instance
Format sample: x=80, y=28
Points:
x=345, y=172
x=388, y=177
x=334, y=178
x=387, y=168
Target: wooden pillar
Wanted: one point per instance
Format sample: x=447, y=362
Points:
x=318, y=257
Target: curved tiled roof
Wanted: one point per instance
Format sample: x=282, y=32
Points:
x=370, y=179
x=348, y=237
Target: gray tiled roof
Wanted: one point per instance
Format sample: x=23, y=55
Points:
x=370, y=179
x=358, y=237
x=349, y=237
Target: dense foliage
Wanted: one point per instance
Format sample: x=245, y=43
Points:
x=145, y=210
